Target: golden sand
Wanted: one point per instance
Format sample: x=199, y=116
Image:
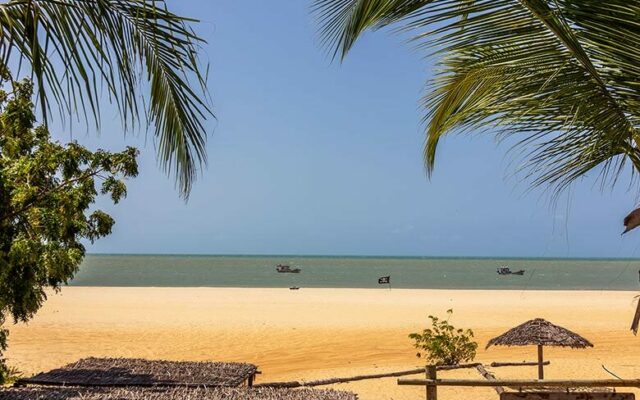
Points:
x=318, y=333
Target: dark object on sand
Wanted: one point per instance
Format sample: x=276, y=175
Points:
x=294, y=288
x=282, y=268
x=540, y=332
x=504, y=270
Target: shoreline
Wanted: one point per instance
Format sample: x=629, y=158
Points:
x=320, y=333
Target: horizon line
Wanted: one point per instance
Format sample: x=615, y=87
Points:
x=361, y=256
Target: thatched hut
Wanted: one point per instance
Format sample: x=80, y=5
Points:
x=117, y=372
x=540, y=332
x=169, y=393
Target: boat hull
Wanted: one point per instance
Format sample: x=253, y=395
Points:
x=521, y=272
x=283, y=269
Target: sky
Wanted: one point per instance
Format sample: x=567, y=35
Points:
x=310, y=156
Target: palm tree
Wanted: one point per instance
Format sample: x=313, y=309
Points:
x=75, y=50
x=562, y=75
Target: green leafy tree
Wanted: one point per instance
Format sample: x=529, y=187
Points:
x=76, y=50
x=561, y=75
x=47, y=190
x=443, y=344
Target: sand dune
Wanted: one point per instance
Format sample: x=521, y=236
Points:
x=316, y=333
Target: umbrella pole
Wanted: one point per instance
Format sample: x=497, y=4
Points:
x=540, y=363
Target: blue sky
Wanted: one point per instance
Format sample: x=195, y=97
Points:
x=313, y=157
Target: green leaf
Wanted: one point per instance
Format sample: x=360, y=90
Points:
x=77, y=49
x=559, y=76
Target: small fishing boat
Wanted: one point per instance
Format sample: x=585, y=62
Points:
x=294, y=288
x=504, y=270
x=283, y=268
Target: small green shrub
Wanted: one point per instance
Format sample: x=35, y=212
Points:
x=443, y=344
x=8, y=375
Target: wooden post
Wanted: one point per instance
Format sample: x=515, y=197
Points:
x=490, y=377
x=432, y=390
x=540, y=363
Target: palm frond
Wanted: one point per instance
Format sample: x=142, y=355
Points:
x=560, y=74
x=343, y=21
x=76, y=49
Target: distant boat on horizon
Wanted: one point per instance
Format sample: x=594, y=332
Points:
x=283, y=268
x=505, y=270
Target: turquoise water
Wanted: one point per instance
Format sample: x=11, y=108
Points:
x=356, y=272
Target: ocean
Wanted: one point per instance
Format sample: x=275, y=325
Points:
x=357, y=272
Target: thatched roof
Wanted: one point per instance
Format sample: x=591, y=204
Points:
x=140, y=372
x=540, y=332
x=172, y=393
x=574, y=389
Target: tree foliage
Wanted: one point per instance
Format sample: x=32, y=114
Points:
x=47, y=191
x=8, y=374
x=559, y=74
x=77, y=50
x=443, y=344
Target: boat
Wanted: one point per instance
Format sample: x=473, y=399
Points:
x=282, y=268
x=504, y=270
x=294, y=288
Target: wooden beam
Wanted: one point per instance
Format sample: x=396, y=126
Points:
x=517, y=364
x=490, y=377
x=524, y=382
x=329, y=381
x=458, y=366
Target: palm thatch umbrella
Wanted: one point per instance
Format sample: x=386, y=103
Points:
x=632, y=220
x=540, y=332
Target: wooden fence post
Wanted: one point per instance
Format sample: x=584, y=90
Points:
x=432, y=390
x=540, y=363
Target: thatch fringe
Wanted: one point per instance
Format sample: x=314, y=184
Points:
x=540, y=332
x=173, y=393
x=140, y=372
x=573, y=389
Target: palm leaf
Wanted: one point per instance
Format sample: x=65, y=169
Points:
x=78, y=49
x=560, y=74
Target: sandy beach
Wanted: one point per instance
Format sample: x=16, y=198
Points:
x=318, y=333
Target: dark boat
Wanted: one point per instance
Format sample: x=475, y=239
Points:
x=282, y=268
x=507, y=271
x=294, y=288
